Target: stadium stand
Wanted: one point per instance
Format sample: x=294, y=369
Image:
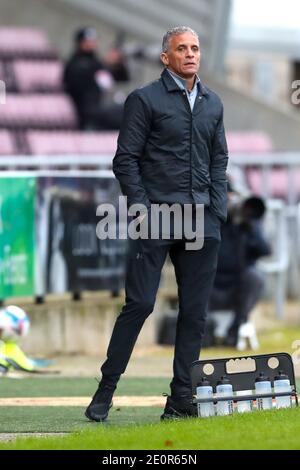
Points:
x=39, y=118
x=66, y=142
x=249, y=142
x=40, y=111
x=25, y=43
x=7, y=143
x=278, y=182
x=35, y=100
x=278, y=176
x=37, y=76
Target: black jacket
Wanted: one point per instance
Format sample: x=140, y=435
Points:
x=242, y=245
x=168, y=154
x=80, y=82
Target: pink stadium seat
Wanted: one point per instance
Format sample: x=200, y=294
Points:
x=248, y=142
x=24, y=42
x=35, y=76
x=64, y=142
x=98, y=142
x=7, y=143
x=278, y=182
x=41, y=111
x=50, y=143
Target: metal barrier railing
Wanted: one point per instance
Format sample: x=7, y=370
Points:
x=57, y=162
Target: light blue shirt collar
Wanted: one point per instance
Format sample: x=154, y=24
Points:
x=181, y=82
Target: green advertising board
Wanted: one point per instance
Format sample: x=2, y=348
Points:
x=17, y=236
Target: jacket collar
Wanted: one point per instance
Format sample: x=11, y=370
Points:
x=171, y=85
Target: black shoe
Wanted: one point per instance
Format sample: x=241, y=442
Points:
x=179, y=407
x=101, y=403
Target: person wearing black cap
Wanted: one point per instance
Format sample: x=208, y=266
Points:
x=87, y=80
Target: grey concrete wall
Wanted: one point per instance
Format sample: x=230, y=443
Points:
x=62, y=326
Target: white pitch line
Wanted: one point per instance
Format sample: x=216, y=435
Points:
x=81, y=401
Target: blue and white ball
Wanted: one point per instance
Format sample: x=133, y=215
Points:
x=14, y=323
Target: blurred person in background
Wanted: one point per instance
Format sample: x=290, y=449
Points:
x=90, y=82
x=239, y=284
x=116, y=60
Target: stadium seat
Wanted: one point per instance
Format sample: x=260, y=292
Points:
x=37, y=76
x=25, y=43
x=50, y=143
x=278, y=182
x=98, y=142
x=64, y=142
x=248, y=142
x=7, y=143
x=41, y=111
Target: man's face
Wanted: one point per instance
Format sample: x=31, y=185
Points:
x=183, y=55
x=88, y=45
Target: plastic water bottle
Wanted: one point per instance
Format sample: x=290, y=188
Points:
x=224, y=389
x=205, y=390
x=282, y=384
x=263, y=386
x=244, y=406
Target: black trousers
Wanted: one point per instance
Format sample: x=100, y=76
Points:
x=195, y=271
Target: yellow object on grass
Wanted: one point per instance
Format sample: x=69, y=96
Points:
x=3, y=362
x=12, y=356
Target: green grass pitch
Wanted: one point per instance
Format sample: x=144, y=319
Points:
x=134, y=427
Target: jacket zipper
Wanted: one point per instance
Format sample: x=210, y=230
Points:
x=191, y=138
x=186, y=99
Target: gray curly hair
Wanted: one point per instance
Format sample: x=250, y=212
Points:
x=175, y=32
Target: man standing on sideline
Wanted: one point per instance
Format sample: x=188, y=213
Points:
x=171, y=149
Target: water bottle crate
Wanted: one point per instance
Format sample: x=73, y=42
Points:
x=252, y=397
x=265, y=381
